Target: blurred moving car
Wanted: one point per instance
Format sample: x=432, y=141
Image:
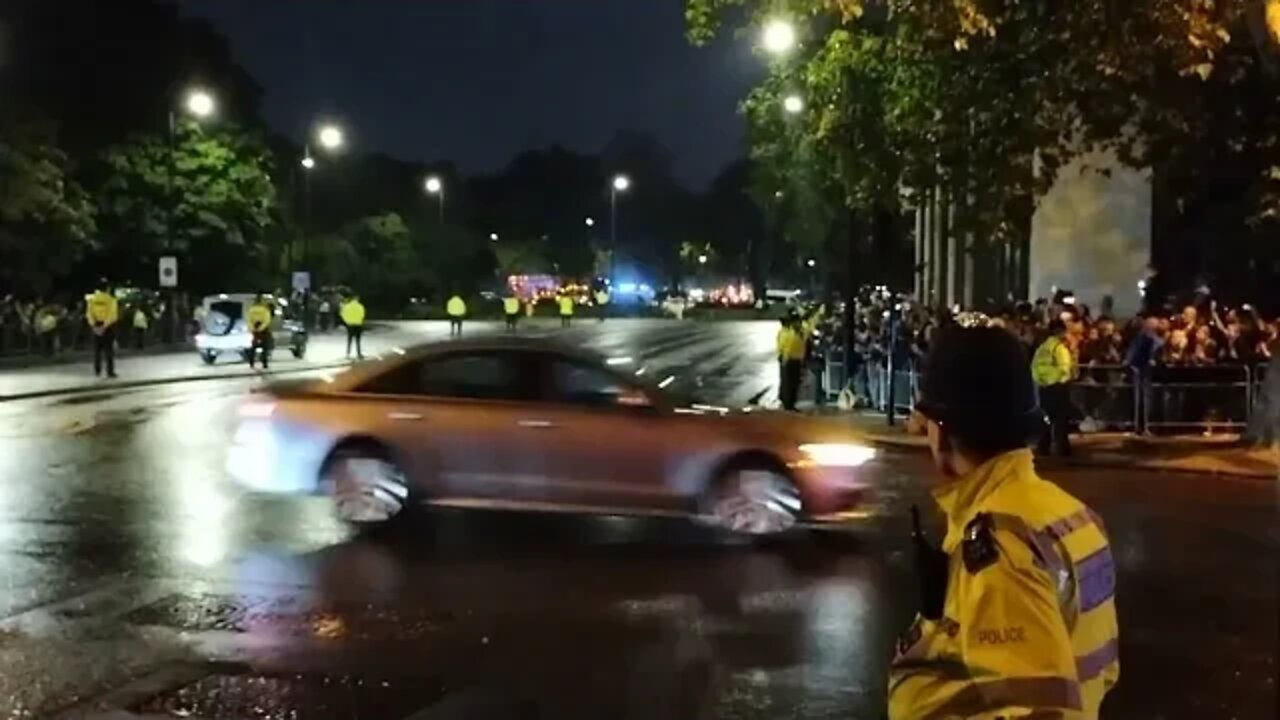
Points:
x=527, y=424
x=224, y=330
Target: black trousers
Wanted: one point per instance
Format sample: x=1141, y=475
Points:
x=1056, y=402
x=104, y=348
x=353, y=333
x=511, y=320
x=790, y=374
x=455, y=326
x=261, y=340
x=565, y=320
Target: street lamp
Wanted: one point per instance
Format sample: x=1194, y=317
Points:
x=436, y=187
x=493, y=237
x=812, y=263
x=793, y=104
x=702, y=259
x=620, y=184
x=330, y=137
x=308, y=162
x=591, y=222
x=778, y=37
x=200, y=103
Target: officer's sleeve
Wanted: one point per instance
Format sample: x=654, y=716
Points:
x=1013, y=638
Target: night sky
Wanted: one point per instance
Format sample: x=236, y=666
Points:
x=476, y=81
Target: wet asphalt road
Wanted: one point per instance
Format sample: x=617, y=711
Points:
x=135, y=582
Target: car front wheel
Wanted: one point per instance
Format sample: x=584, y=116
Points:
x=753, y=497
x=209, y=357
x=367, y=487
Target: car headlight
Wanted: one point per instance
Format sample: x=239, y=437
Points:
x=838, y=454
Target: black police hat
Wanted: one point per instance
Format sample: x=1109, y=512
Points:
x=977, y=380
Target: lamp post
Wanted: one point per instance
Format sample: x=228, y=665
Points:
x=331, y=139
x=199, y=104
x=793, y=104
x=621, y=183
x=435, y=187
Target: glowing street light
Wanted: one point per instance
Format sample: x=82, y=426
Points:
x=812, y=263
x=493, y=237
x=591, y=222
x=435, y=187
x=621, y=183
x=308, y=162
x=793, y=104
x=702, y=259
x=778, y=37
x=200, y=103
x=330, y=137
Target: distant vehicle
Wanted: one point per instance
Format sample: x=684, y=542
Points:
x=777, y=295
x=225, y=332
x=527, y=424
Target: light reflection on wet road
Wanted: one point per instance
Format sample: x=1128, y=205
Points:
x=132, y=576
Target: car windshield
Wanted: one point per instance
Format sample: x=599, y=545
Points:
x=743, y=359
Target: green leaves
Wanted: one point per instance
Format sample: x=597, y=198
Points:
x=46, y=219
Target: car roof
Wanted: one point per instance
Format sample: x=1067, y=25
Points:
x=495, y=343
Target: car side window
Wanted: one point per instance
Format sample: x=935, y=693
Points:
x=474, y=376
x=580, y=384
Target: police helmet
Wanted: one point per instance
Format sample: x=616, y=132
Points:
x=977, y=383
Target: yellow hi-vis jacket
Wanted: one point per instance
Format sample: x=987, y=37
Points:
x=1028, y=626
x=352, y=312
x=101, y=309
x=259, y=317
x=511, y=305
x=456, y=307
x=602, y=298
x=1052, y=364
x=791, y=345
x=566, y=305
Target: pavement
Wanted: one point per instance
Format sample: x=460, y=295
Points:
x=137, y=582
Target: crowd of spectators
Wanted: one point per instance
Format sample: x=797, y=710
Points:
x=52, y=326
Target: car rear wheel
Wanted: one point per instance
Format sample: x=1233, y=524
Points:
x=209, y=357
x=753, y=497
x=367, y=487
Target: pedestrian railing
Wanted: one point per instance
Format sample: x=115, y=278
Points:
x=1104, y=399
x=1204, y=397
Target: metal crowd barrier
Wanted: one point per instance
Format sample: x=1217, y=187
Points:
x=1105, y=397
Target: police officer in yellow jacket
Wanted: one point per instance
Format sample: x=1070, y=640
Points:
x=352, y=313
x=259, y=319
x=102, y=311
x=511, y=309
x=456, y=309
x=791, y=354
x=1017, y=613
x=1053, y=367
x=565, y=303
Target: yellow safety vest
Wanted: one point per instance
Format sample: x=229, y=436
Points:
x=456, y=307
x=102, y=309
x=1052, y=363
x=1028, y=621
x=259, y=317
x=602, y=298
x=566, y=305
x=511, y=305
x=352, y=313
x=791, y=344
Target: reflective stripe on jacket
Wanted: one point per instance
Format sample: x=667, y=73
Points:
x=352, y=313
x=1052, y=363
x=102, y=309
x=1029, y=630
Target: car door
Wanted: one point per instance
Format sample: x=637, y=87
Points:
x=457, y=417
x=609, y=445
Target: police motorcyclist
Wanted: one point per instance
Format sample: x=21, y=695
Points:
x=259, y=321
x=103, y=312
x=1017, y=615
